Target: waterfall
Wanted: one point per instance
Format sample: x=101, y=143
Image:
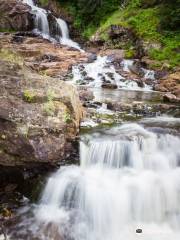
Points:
x=42, y=26
x=65, y=39
x=129, y=178
x=41, y=21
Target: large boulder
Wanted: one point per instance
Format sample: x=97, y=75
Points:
x=15, y=16
x=39, y=115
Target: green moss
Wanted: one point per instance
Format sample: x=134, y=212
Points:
x=130, y=53
x=67, y=118
x=29, y=96
x=7, y=30
x=10, y=56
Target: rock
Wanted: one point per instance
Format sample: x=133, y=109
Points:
x=169, y=97
x=140, y=83
x=39, y=115
x=109, y=85
x=42, y=56
x=136, y=68
x=110, y=75
x=115, y=55
x=139, y=230
x=15, y=16
x=161, y=74
x=85, y=95
x=171, y=83
x=91, y=58
x=88, y=79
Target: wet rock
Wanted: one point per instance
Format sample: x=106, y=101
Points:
x=110, y=75
x=85, y=95
x=160, y=74
x=91, y=58
x=109, y=85
x=88, y=79
x=136, y=68
x=140, y=82
x=139, y=230
x=169, y=97
x=15, y=15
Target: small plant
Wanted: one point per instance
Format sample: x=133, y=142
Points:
x=29, y=96
x=49, y=108
x=67, y=118
x=129, y=53
x=50, y=95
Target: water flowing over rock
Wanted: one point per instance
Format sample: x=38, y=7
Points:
x=128, y=179
x=56, y=31
x=103, y=73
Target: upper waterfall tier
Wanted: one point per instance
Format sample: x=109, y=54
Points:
x=42, y=26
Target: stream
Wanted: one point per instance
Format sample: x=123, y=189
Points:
x=127, y=183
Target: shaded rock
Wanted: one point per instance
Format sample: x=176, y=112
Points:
x=15, y=15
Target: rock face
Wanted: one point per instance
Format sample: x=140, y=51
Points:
x=39, y=115
x=15, y=16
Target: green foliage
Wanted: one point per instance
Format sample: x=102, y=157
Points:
x=89, y=14
x=43, y=2
x=154, y=21
x=130, y=53
x=169, y=51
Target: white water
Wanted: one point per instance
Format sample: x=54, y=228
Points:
x=41, y=21
x=101, y=70
x=129, y=178
x=65, y=39
x=42, y=26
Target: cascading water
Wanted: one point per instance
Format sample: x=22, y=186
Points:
x=129, y=178
x=41, y=21
x=102, y=71
x=42, y=26
x=65, y=39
